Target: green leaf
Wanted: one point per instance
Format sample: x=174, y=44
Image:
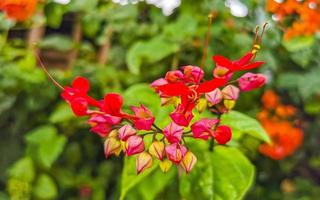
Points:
x=243, y=124
x=289, y=80
x=129, y=176
x=23, y=170
x=54, y=13
x=150, y=99
x=45, y=145
x=62, y=113
x=308, y=84
x=57, y=42
x=150, y=187
x=148, y=52
x=225, y=174
x=82, y=5
x=45, y=188
x=298, y=43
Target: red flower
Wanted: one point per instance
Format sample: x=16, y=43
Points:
x=227, y=66
x=77, y=96
x=19, y=10
x=189, y=90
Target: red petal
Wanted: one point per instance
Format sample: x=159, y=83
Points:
x=252, y=65
x=81, y=83
x=112, y=104
x=209, y=86
x=79, y=106
x=245, y=59
x=222, y=61
x=173, y=89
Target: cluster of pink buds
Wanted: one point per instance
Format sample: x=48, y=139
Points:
x=188, y=92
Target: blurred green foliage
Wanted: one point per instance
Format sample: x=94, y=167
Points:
x=46, y=153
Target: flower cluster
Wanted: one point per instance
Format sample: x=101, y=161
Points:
x=187, y=91
x=304, y=16
x=19, y=10
x=275, y=118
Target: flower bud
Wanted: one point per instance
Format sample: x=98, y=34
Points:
x=144, y=119
x=174, y=76
x=230, y=92
x=192, y=74
x=157, y=149
x=165, y=165
x=113, y=133
x=214, y=97
x=229, y=104
x=173, y=132
x=202, y=105
x=101, y=129
x=202, y=128
x=250, y=81
x=134, y=145
x=222, y=134
x=126, y=131
x=175, y=152
x=188, y=161
x=112, y=146
x=143, y=161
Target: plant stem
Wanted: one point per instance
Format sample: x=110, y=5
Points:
x=206, y=43
x=155, y=126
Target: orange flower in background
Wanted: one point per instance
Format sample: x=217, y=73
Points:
x=19, y=10
x=304, y=16
x=270, y=99
x=274, y=117
x=285, y=140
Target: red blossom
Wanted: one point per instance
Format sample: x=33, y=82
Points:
x=229, y=66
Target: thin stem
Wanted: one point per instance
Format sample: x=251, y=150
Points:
x=147, y=133
x=206, y=43
x=263, y=31
x=47, y=73
x=159, y=129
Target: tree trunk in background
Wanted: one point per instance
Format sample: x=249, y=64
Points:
x=76, y=38
x=103, y=53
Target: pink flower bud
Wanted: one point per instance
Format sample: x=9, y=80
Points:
x=202, y=128
x=101, y=129
x=230, y=92
x=134, y=145
x=181, y=116
x=144, y=119
x=173, y=132
x=188, y=161
x=222, y=134
x=214, y=97
x=193, y=74
x=157, y=149
x=159, y=82
x=174, y=76
x=112, y=145
x=250, y=81
x=143, y=161
x=175, y=152
x=126, y=131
